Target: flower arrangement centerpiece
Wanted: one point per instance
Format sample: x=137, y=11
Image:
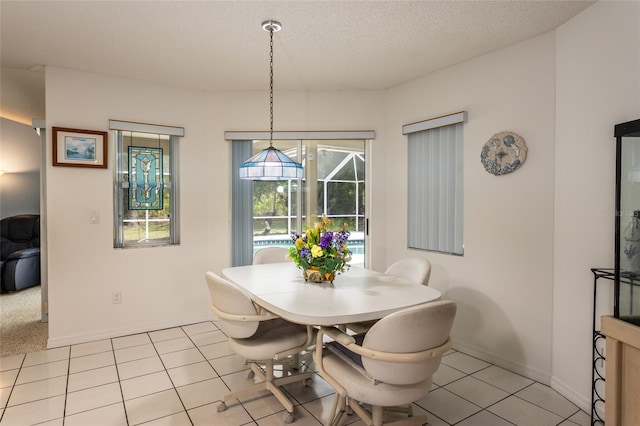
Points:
x=320, y=253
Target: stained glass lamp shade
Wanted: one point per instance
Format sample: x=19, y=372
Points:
x=271, y=164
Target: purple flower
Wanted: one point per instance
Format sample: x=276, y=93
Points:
x=340, y=240
x=305, y=253
x=341, y=237
x=326, y=240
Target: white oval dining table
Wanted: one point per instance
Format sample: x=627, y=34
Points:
x=356, y=295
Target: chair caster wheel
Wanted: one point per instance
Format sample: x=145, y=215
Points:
x=251, y=374
x=221, y=407
x=289, y=418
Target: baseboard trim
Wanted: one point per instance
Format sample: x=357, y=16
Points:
x=523, y=370
x=124, y=331
x=534, y=374
x=568, y=392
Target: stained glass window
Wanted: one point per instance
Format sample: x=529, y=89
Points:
x=145, y=178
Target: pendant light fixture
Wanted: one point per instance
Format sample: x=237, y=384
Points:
x=270, y=163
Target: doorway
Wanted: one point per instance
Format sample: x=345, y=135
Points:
x=24, y=312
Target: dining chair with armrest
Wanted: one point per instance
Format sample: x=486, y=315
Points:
x=275, y=254
x=412, y=269
x=258, y=336
x=391, y=365
x=271, y=255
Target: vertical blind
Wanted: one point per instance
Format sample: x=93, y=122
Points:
x=435, y=185
x=241, y=206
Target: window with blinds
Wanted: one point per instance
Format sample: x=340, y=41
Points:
x=435, y=184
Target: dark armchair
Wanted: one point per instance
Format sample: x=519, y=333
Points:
x=20, y=252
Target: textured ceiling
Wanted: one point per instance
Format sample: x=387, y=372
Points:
x=221, y=45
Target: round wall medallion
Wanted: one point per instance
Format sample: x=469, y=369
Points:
x=503, y=153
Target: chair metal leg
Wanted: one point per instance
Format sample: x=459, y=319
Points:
x=281, y=381
x=410, y=421
x=337, y=410
x=374, y=417
x=361, y=412
x=295, y=361
x=402, y=409
x=269, y=383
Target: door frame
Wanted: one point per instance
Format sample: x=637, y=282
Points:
x=367, y=135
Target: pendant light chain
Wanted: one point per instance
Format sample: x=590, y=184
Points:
x=271, y=87
x=271, y=163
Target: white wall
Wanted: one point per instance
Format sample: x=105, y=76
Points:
x=160, y=287
x=20, y=148
x=598, y=86
x=503, y=283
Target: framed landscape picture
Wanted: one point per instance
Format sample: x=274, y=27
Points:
x=79, y=148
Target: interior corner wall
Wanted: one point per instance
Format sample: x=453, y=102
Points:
x=503, y=283
x=20, y=148
x=598, y=86
x=162, y=286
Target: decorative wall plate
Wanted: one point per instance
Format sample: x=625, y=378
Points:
x=503, y=153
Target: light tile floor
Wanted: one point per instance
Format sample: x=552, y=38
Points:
x=176, y=376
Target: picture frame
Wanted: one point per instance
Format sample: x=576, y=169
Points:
x=79, y=148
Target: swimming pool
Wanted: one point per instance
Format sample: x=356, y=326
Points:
x=355, y=243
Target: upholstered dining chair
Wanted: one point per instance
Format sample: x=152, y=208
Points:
x=391, y=365
x=411, y=269
x=270, y=255
x=260, y=337
x=275, y=254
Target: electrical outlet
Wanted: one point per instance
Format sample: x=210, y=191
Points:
x=116, y=297
x=94, y=217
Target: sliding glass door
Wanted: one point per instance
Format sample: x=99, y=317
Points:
x=334, y=185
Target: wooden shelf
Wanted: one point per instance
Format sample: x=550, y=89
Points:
x=622, y=387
